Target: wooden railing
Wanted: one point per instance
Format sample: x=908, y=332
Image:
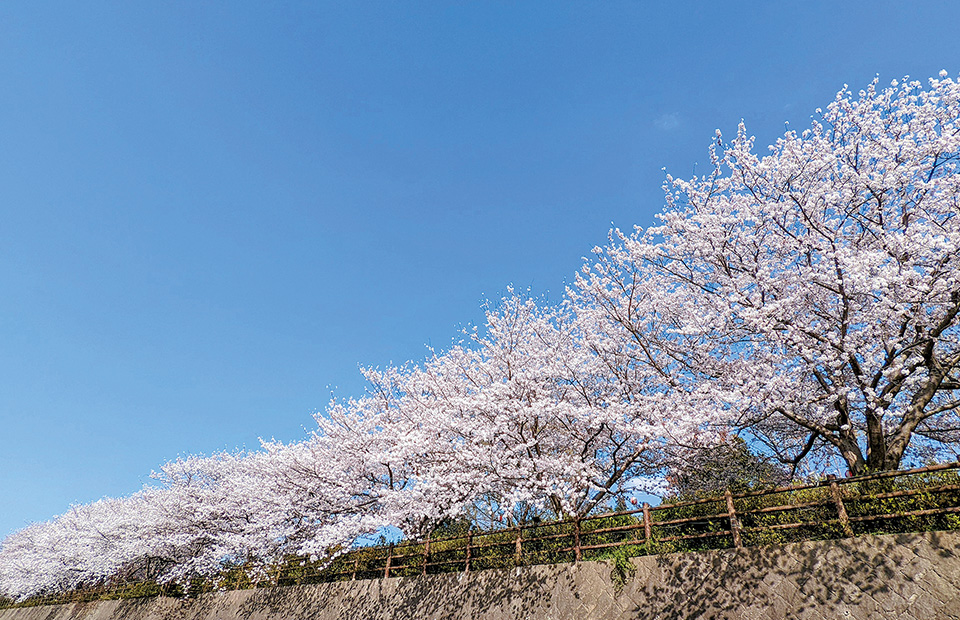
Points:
x=921, y=499
x=731, y=520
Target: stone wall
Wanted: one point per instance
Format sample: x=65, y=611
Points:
x=906, y=577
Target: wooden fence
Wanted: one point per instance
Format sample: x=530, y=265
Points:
x=832, y=508
x=921, y=499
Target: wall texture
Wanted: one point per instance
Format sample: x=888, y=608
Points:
x=909, y=576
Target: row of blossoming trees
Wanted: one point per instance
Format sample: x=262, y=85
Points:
x=806, y=299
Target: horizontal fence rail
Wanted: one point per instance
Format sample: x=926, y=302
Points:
x=912, y=500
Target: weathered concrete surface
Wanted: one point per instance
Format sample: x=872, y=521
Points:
x=907, y=577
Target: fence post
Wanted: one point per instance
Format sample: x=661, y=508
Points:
x=576, y=539
x=466, y=563
x=386, y=570
x=734, y=522
x=841, y=510
x=518, y=551
x=426, y=552
x=646, y=522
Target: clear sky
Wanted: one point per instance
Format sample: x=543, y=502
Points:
x=212, y=212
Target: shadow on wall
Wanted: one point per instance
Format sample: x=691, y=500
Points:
x=524, y=593
x=902, y=577
x=898, y=576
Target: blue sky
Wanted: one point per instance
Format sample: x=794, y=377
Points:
x=212, y=212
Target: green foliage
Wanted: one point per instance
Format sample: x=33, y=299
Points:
x=140, y=589
x=622, y=569
x=493, y=550
x=902, y=496
x=452, y=527
x=810, y=513
x=728, y=465
x=683, y=526
x=548, y=543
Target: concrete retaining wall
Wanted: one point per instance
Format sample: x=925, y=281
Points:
x=906, y=577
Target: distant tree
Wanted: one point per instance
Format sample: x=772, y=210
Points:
x=728, y=464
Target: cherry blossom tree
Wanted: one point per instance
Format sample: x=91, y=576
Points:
x=86, y=546
x=522, y=413
x=815, y=290
x=520, y=416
